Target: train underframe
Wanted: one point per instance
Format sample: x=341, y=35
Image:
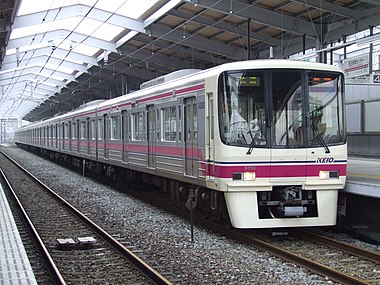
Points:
x=286, y=202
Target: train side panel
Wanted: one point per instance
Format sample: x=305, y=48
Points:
x=177, y=133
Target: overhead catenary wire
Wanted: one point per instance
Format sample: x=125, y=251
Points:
x=95, y=74
x=179, y=42
x=10, y=85
x=66, y=38
x=158, y=50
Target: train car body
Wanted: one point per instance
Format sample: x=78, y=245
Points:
x=262, y=141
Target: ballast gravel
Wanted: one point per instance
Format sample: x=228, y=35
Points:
x=164, y=239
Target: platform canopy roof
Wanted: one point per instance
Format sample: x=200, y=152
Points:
x=59, y=54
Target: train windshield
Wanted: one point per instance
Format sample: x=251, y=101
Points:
x=243, y=112
x=303, y=108
x=325, y=109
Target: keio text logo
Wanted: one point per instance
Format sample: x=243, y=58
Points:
x=325, y=160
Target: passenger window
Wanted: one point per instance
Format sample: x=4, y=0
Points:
x=74, y=131
x=137, y=126
x=115, y=128
x=100, y=129
x=83, y=130
x=169, y=124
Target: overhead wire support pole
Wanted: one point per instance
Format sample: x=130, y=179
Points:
x=370, y=51
x=249, y=39
x=304, y=44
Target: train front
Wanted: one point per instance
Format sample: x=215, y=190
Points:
x=282, y=154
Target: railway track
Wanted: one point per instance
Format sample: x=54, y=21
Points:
x=336, y=261
x=340, y=262
x=76, y=250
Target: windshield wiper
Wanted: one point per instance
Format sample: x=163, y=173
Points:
x=320, y=139
x=252, y=143
x=323, y=143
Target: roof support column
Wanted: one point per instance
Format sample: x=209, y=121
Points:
x=320, y=43
x=304, y=44
x=249, y=38
x=370, y=51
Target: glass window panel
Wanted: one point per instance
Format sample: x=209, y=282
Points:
x=141, y=126
x=158, y=125
x=115, y=128
x=173, y=124
x=74, y=131
x=326, y=109
x=169, y=124
x=92, y=129
x=353, y=120
x=137, y=126
x=166, y=124
x=195, y=120
x=83, y=130
x=371, y=119
x=179, y=123
x=287, y=108
x=100, y=129
x=242, y=108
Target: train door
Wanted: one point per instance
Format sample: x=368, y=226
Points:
x=45, y=136
x=210, y=136
x=66, y=144
x=57, y=136
x=99, y=137
x=151, y=120
x=191, y=137
x=88, y=136
x=105, y=135
x=91, y=126
x=70, y=135
x=124, y=135
x=64, y=131
x=77, y=135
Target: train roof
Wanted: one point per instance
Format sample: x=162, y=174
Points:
x=199, y=76
x=278, y=64
x=214, y=71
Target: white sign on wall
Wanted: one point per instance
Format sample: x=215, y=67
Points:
x=369, y=79
x=356, y=66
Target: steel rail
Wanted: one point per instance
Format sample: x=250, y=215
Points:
x=144, y=267
x=54, y=272
x=351, y=249
x=316, y=267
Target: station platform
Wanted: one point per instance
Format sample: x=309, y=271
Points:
x=363, y=177
x=362, y=199
x=15, y=267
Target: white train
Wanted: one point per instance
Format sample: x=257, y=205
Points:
x=262, y=143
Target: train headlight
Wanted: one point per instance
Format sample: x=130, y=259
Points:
x=249, y=176
x=245, y=176
x=325, y=174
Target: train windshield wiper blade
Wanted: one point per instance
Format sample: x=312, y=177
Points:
x=251, y=145
x=320, y=139
x=323, y=143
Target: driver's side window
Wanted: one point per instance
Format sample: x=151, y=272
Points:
x=242, y=101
